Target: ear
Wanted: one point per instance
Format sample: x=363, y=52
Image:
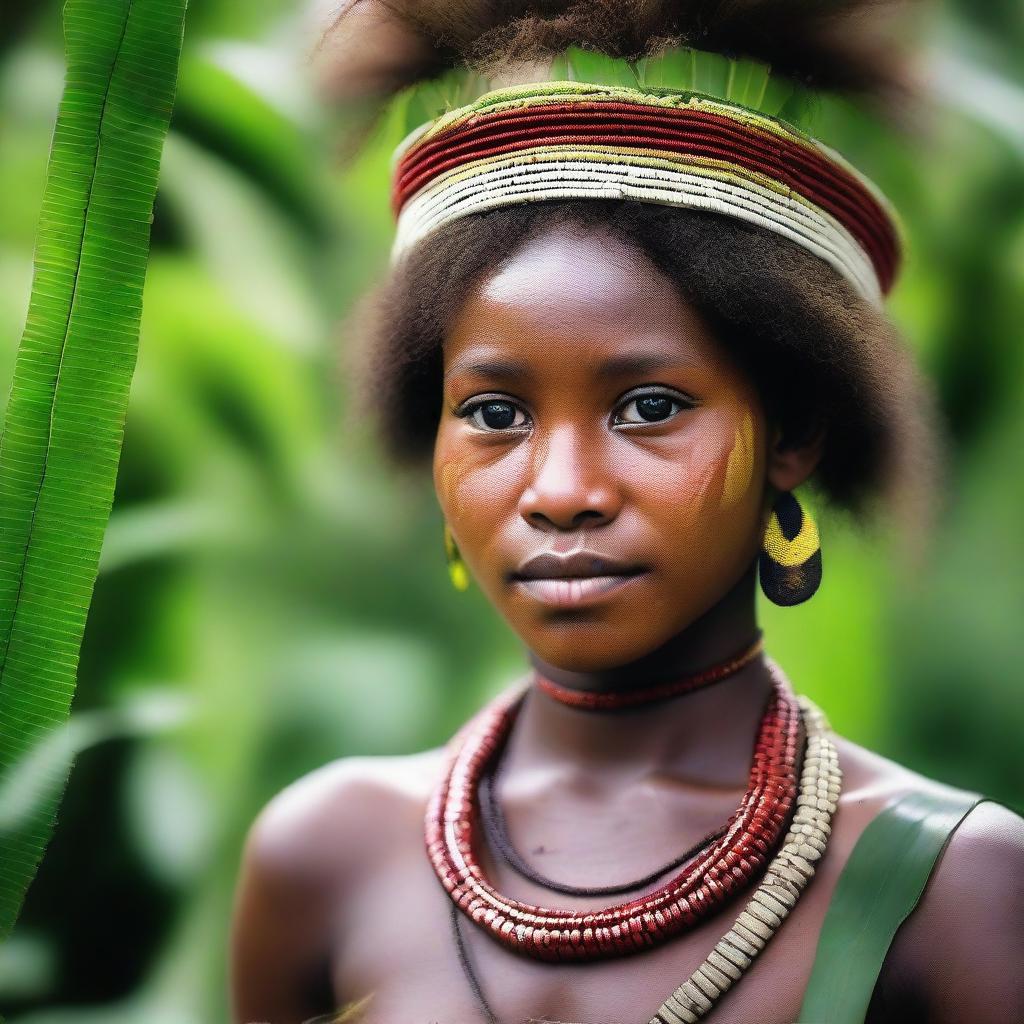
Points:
x=791, y=463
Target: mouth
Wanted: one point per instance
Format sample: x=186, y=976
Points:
x=572, y=580
x=575, y=565
x=574, y=591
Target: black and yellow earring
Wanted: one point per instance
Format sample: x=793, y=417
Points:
x=790, y=563
x=457, y=571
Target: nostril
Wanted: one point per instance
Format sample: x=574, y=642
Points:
x=551, y=520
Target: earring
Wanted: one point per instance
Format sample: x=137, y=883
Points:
x=457, y=571
x=790, y=562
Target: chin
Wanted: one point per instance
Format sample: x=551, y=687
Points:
x=579, y=645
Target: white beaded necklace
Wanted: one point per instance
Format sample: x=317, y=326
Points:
x=787, y=876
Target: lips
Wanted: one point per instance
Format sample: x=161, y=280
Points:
x=574, y=592
x=577, y=565
x=568, y=581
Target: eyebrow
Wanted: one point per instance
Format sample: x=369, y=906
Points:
x=498, y=369
x=615, y=366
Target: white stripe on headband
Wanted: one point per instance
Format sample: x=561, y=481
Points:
x=525, y=177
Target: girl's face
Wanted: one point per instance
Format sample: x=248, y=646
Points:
x=588, y=412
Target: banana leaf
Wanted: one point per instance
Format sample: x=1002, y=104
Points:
x=64, y=424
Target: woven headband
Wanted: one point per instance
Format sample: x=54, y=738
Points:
x=573, y=140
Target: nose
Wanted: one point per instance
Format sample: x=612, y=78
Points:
x=569, y=486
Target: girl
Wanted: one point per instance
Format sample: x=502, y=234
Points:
x=626, y=322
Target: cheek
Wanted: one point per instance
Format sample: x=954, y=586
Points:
x=711, y=488
x=446, y=483
x=449, y=477
x=472, y=490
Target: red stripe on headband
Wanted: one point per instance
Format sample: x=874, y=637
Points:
x=663, y=128
x=687, y=131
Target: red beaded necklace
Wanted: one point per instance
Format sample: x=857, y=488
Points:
x=590, y=701
x=754, y=829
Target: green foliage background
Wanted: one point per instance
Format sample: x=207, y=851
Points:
x=272, y=596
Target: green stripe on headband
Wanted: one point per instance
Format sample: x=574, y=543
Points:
x=675, y=71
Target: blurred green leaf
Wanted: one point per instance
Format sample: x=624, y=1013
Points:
x=219, y=112
x=163, y=790
x=28, y=966
x=37, y=778
x=248, y=243
x=157, y=531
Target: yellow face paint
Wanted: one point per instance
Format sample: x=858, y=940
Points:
x=447, y=482
x=739, y=469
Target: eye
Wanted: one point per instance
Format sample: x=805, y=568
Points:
x=651, y=407
x=495, y=414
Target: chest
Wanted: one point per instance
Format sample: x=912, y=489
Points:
x=399, y=948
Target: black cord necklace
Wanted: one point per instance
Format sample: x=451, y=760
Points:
x=496, y=830
x=467, y=966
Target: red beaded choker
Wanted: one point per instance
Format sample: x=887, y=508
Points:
x=613, y=701
x=729, y=866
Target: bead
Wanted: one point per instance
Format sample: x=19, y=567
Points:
x=684, y=1006
x=720, y=979
x=724, y=966
x=791, y=875
x=764, y=916
x=729, y=951
x=798, y=863
x=696, y=996
x=754, y=935
x=705, y=984
x=775, y=906
x=669, y=1015
x=786, y=893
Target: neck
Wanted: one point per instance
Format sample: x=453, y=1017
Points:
x=705, y=737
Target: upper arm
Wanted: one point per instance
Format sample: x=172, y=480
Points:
x=964, y=944
x=285, y=901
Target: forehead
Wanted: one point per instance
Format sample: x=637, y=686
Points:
x=570, y=298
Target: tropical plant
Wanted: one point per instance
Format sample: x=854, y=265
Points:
x=65, y=417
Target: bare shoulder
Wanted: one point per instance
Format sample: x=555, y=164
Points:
x=960, y=954
x=869, y=777
x=339, y=813
x=302, y=858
